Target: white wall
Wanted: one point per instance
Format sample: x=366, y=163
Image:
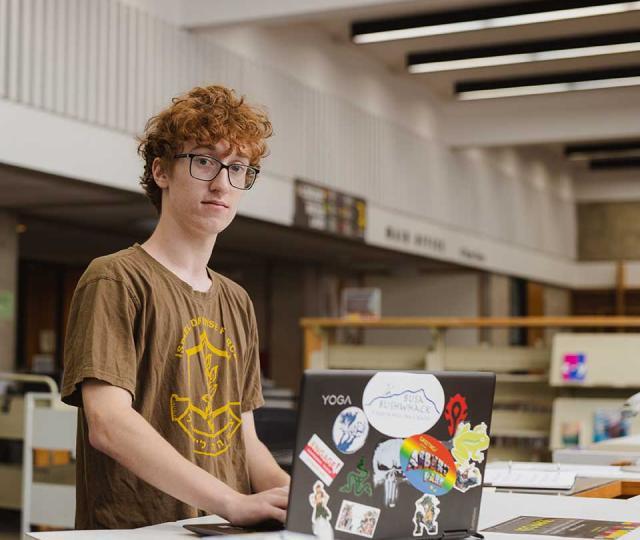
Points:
x=514, y=196
x=408, y=293
x=607, y=186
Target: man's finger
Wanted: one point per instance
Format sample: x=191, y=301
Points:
x=279, y=514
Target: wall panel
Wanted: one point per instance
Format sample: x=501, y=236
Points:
x=110, y=64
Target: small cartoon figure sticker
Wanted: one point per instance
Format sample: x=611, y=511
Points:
x=425, y=518
x=321, y=515
x=318, y=500
x=357, y=481
x=469, y=446
x=467, y=477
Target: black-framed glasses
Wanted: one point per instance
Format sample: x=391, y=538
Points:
x=206, y=168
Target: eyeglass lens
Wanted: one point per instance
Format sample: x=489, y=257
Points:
x=205, y=168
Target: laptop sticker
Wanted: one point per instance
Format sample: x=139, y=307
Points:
x=350, y=430
x=425, y=518
x=455, y=412
x=467, y=477
x=428, y=465
x=358, y=519
x=358, y=481
x=403, y=404
x=321, y=514
x=321, y=459
x=470, y=444
x=387, y=470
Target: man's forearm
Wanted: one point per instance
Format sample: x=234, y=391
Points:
x=129, y=439
x=265, y=471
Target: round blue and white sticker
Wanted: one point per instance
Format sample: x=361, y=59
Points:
x=350, y=430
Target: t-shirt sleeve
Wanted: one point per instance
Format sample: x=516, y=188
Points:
x=100, y=338
x=252, y=387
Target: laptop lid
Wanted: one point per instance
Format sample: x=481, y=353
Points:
x=390, y=454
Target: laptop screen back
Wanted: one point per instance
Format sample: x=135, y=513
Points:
x=390, y=454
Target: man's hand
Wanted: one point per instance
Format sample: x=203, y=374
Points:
x=251, y=509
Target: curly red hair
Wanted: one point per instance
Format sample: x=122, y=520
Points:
x=205, y=115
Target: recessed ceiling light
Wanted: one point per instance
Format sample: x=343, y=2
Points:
x=548, y=88
x=547, y=84
x=522, y=58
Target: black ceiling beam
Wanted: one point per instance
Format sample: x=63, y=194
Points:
x=563, y=77
x=592, y=148
x=470, y=14
x=614, y=163
x=521, y=47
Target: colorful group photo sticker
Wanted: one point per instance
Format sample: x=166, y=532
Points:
x=425, y=517
x=402, y=404
x=358, y=519
x=428, y=465
x=350, y=430
x=387, y=470
x=321, y=459
x=468, y=447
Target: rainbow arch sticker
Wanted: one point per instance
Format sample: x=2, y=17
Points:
x=427, y=464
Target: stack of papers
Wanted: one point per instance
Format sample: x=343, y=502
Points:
x=523, y=478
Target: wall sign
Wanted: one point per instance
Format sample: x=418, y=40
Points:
x=6, y=305
x=323, y=209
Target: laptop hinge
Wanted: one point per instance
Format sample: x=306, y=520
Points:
x=461, y=533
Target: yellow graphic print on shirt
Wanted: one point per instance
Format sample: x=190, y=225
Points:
x=211, y=430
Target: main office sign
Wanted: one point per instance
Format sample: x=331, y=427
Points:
x=326, y=210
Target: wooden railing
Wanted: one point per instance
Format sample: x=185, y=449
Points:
x=317, y=331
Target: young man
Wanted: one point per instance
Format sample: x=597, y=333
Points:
x=161, y=355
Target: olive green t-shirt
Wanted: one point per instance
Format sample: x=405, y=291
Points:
x=190, y=361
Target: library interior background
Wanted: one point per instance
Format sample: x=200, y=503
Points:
x=452, y=185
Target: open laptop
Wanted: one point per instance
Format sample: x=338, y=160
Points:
x=387, y=455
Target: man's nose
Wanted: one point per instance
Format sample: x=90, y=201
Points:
x=221, y=180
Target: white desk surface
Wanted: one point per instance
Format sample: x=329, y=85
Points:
x=496, y=508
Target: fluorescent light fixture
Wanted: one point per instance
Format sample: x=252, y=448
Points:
x=506, y=59
x=549, y=88
x=408, y=32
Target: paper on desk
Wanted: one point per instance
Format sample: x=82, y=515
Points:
x=523, y=478
x=566, y=527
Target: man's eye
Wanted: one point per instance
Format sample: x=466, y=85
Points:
x=236, y=168
x=203, y=162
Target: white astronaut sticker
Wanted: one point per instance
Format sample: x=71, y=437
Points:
x=350, y=430
x=403, y=404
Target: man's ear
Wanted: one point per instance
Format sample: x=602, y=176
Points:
x=159, y=174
